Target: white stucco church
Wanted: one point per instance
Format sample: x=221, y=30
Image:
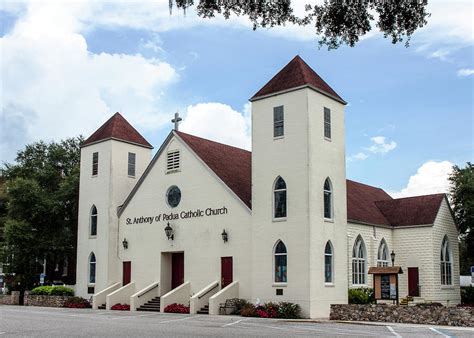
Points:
x=202, y=222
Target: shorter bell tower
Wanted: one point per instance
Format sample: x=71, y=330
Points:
x=112, y=160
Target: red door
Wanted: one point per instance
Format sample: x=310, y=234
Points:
x=127, y=273
x=177, y=269
x=226, y=271
x=413, y=282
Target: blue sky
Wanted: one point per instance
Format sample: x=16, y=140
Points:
x=66, y=69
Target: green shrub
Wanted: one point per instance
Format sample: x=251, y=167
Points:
x=41, y=291
x=239, y=305
x=52, y=291
x=361, y=296
x=467, y=295
x=288, y=310
x=61, y=291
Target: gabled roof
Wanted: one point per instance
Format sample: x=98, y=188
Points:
x=296, y=74
x=117, y=128
x=419, y=210
x=361, y=205
x=232, y=165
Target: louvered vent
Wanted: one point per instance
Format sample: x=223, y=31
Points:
x=172, y=163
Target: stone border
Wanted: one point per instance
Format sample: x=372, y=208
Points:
x=48, y=301
x=418, y=314
x=13, y=299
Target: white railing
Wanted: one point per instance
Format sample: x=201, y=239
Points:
x=229, y=292
x=201, y=299
x=120, y=296
x=146, y=294
x=100, y=298
x=179, y=295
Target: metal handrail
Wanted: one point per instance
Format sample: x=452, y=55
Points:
x=145, y=292
x=205, y=293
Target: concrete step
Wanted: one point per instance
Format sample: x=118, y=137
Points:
x=148, y=309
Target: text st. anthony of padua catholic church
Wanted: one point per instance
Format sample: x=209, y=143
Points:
x=202, y=222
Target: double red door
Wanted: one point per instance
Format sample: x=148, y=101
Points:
x=177, y=269
x=226, y=271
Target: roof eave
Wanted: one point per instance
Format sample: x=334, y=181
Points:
x=260, y=97
x=115, y=139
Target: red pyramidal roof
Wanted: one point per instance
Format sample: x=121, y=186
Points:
x=296, y=74
x=117, y=128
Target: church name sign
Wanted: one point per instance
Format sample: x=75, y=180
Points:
x=175, y=216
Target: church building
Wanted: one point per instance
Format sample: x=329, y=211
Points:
x=202, y=222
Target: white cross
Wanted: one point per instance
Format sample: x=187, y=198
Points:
x=176, y=120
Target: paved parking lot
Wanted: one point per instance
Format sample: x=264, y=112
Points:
x=17, y=321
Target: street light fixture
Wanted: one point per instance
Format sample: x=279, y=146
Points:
x=392, y=256
x=169, y=232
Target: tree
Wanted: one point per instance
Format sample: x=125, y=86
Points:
x=336, y=22
x=42, y=190
x=462, y=197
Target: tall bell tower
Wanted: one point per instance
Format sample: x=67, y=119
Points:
x=112, y=160
x=298, y=145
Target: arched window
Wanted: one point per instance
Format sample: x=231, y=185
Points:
x=280, y=263
x=328, y=199
x=279, y=198
x=328, y=269
x=358, y=262
x=92, y=263
x=446, y=263
x=383, y=255
x=93, y=228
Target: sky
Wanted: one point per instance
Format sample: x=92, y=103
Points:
x=66, y=67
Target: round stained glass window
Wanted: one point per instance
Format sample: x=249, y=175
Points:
x=173, y=196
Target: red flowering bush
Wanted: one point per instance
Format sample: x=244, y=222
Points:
x=77, y=303
x=177, y=308
x=121, y=307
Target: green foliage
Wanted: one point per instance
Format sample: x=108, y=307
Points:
x=38, y=208
x=361, y=296
x=52, y=291
x=239, y=305
x=462, y=198
x=336, y=22
x=41, y=291
x=248, y=310
x=288, y=310
x=467, y=295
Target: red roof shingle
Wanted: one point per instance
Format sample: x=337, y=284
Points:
x=419, y=210
x=117, y=128
x=296, y=73
x=232, y=165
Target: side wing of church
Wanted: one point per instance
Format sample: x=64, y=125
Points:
x=202, y=222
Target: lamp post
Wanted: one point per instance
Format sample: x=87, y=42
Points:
x=125, y=243
x=225, y=236
x=169, y=232
x=392, y=256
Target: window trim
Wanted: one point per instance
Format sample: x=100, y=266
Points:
x=90, y=262
x=331, y=255
x=446, y=278
x=274, y=254
x=331, y=200
x=359, y=243
x=383, y=250
x=134, y=164
x=327, y=123
x=282, y=121
x=274, y=190
x=91, y=215
x=95, y=164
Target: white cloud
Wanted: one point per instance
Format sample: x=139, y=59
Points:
x=53, y=87
x=219, y=122
x=466, y=72
x=431, y=178
x=441, y=54
x=357, y=157
x=379, y=145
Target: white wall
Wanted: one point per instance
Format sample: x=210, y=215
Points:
x=199, y=238
x=106, y=191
